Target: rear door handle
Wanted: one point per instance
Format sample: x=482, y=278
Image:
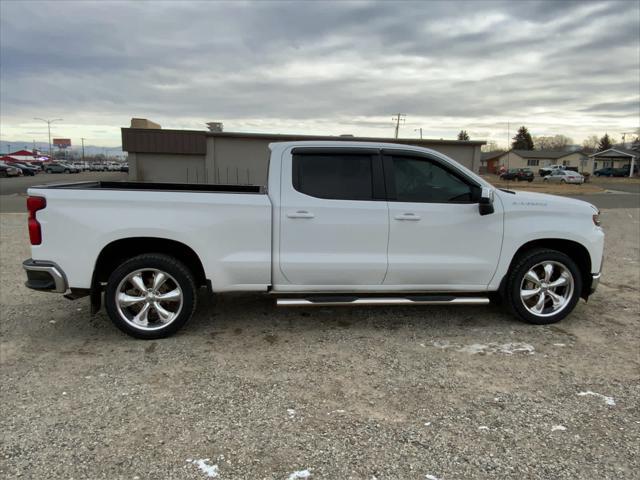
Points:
x=408, y=216
x=301, y=214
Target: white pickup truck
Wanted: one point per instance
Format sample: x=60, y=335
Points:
x=341, y=223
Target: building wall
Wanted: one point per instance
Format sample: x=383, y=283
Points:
x=241, y=160
x=168, y=167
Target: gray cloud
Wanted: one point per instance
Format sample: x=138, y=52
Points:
x=322, y=67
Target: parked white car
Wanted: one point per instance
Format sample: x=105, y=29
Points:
x=564, y=176
x=341, y=223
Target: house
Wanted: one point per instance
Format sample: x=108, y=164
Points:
x=616, y=157
x=489, y=161
x=536, y=159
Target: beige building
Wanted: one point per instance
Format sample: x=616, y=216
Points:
x=217, y=157
x=536, y=159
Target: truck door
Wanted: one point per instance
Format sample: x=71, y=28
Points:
x=334, y=221
x=437, y=238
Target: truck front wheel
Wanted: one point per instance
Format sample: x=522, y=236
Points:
x=150, y=296
x=543, y=286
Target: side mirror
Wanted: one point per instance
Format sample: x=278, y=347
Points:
x=485, y=205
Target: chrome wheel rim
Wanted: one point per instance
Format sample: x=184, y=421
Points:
x=547, y=288
x=149, y=299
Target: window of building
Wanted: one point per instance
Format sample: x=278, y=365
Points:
x=566, y=163
x=333, y=176
x=533, y=163
x=420, y=180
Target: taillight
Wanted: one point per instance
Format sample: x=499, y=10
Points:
x=33, y=205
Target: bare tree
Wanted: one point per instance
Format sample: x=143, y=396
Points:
x=555, y=142
x=590, y=144
x=492, y=146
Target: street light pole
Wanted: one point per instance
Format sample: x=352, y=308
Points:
x=82, y=149
x=49, y=122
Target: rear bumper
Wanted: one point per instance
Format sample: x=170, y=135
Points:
x=45, y=276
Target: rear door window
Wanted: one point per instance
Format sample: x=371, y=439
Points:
x=334, y=176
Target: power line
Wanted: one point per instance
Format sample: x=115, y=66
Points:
x=398, y=117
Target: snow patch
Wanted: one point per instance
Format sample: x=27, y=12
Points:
x=608, y=400
x=210, y=471
x=491, y=348
x=299, y=474
x=560, y=428
x=431, y=477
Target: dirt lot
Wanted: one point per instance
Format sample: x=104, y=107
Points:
x=247, y=391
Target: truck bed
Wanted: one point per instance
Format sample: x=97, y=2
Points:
x=168, y=187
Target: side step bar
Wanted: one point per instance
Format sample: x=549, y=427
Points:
x=411, y=300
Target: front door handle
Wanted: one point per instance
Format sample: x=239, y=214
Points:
x=408, y=216
x=301, y=214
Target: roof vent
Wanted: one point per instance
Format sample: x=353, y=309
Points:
x=215, y=126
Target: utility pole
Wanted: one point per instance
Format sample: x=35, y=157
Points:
x=417, y=130
x=49, y=122
x=399, y=117
x=82, y=148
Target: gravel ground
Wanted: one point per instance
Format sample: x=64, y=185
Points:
x=247, y=391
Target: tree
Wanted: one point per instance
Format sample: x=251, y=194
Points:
x=605, y=143
x=522, y=140
x=590, y=144
x=492, y=146
x=463, y=136
x=556, y=142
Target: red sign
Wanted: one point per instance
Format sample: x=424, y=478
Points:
x=62, y=142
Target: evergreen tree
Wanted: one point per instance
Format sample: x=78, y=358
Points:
x=605, y=143
x=522, y=140
x=463, y=136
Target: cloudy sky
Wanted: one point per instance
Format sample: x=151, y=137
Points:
x=321, y=67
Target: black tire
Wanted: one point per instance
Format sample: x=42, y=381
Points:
x=530, y=180
x=563, y=181
x=519, y=269
x=180, y=274
x=67, y=171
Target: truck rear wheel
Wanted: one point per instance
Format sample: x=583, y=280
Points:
x=543, y=286
x=150, y=296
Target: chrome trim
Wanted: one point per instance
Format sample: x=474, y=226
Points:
x=595, y=281
x=56, y=273
x=303, y=302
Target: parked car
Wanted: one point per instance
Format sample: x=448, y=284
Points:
x=97, y=167
x=7, y=170
x=605, y=172
x=565, y=176
x=614, y=172
x=339, y=224
x=72, y=167
x=36, y=166
x=518, y=174
x=124, y=167
x=544, y=171
x=81, y=166
x=26, y=170
x=56, y=167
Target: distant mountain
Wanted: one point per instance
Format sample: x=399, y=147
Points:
x=6, y=146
